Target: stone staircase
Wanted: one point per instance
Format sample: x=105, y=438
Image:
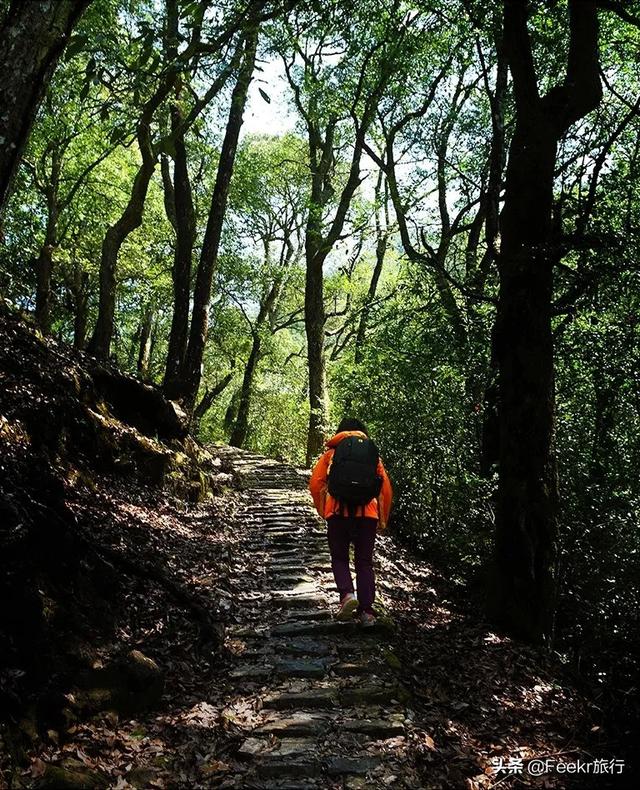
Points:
x=326, y=708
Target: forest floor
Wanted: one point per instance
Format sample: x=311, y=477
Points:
x=431, y=697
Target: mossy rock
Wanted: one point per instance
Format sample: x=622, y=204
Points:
x=141, y=683
x=59, y=777
x=392, y=660
x=133, y=684
x=141, y=777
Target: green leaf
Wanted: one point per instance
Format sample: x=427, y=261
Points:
x=265, y=96
x=116, y=134
x=76, y=45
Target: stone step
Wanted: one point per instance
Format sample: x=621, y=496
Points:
x=291, y=555
x=299, y=700
x=302, y=647
x=302, y=588
x=281, y=581
x=360, y=766
x=283, y=521
x=352, y=668
x=292, y=602
x=288, y=529
x=302, y=668
x=297, y=725
x=314, y=565
x=299, y=601
x=375, y=728
x=285, y=747
x=298, y=757
x=285, y=784
x=278, y=564
x=277, y=765
x=282, y=542
x=252, y=673
x=309, y=629
x=372, y=695
x=308, y=614
x=276, y=567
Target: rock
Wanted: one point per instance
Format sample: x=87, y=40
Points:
x=143, y=683
x=130, y=685
x=392, y=660
x=251, y=747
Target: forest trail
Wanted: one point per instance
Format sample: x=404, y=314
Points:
x=146, y=539
x=329, y=710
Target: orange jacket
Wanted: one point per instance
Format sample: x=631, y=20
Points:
x=327, y=506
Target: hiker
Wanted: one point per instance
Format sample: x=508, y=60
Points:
x=351, y=490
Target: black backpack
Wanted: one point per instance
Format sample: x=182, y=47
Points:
x=353, y=477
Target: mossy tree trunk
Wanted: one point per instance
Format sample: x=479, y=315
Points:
x=33, y=36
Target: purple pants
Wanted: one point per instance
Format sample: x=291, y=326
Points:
x=342, y=531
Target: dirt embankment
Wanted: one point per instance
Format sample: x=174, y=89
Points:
x=101, y=488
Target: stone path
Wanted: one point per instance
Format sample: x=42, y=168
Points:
x=320, y=700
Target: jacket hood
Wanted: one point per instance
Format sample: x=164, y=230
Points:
x=334, y=441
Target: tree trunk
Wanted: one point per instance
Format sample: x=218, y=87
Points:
x=192, y=371
x=382, y=237
x=33, y=36
x=231, y=411
x=522, y=596
x=81, y=300
x=144, y=351
x=239, y=433
x=44, y=265
x=526, y=529
x=44, y=268
x=206, y=402
x=185, y=229
x=241, y=425
x=181, y=214
x=131, y=218
x=314, y=321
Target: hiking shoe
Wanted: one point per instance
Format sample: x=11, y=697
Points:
x=348, y=605
x=367, y=619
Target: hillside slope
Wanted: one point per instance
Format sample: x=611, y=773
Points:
x=101, y=490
